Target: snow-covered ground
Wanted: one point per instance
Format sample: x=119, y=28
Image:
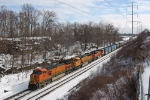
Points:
x=15, y=85
x=145, y=79
x=17, y=82
x=63, y=91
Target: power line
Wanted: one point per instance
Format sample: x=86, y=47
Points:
x=132, y=15
x=91, y=13
x=126, y=1
x=120, y=4
x=118, y=11
x=78, y=9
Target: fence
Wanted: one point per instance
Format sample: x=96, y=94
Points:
x=141, y=86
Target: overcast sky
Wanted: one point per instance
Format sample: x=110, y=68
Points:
x=118, y=12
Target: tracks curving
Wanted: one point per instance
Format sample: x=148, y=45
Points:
x=35, y=95
x=19, y=95
x=46, y=91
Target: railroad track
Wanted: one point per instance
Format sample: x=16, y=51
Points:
x=46, y=91
x=35, y=95
x=18, y=95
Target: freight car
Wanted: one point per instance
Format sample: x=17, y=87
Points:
x=113, y=47
x=110, y=48
x=42, y=76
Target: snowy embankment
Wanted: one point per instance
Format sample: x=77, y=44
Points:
x=145, y=79
x=146, y=75
x=63, y=91
x=16, y=85
x=13, y=84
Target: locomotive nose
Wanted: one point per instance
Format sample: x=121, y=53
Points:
x=32, y=83
x=33, y=79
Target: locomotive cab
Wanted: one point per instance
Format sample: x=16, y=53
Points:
x=36, y=78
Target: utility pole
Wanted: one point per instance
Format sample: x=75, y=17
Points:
x=132, y=18
x=132, y=14
x=139, y=26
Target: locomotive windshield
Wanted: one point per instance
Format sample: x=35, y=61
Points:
x=37, y=72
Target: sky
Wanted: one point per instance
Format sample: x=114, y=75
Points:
x=116, y=12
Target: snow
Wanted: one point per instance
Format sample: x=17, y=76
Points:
x=63, y=91
x=15, y=83
x=145, y=79
x=147, y=40
x=125, y=38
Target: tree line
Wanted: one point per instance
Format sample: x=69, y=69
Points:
x=30, y=23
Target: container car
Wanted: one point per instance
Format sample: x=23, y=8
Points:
x=107, y=50
x=113, y=47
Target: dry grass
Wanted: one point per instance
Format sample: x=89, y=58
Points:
x=118, y=78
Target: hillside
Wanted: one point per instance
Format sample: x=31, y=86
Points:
x=118, y=79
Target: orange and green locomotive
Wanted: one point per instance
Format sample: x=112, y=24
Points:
x=41, y=76
x=44, y=75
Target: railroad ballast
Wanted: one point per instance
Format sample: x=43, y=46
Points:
x=42, y=76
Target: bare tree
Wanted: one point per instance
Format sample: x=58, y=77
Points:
x=26, y=28
x=3, y=21
x=98, y=34
x=64, y=36
x=13, y=26
x=48, y=22
x=110, y=32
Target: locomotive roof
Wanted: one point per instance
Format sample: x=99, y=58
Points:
x=95, y=51
x=48, y=67
x=86, y=54
x=67, y=61
x=40, y=68
x=75, y=58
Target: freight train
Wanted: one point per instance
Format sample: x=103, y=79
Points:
x=42, y=76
